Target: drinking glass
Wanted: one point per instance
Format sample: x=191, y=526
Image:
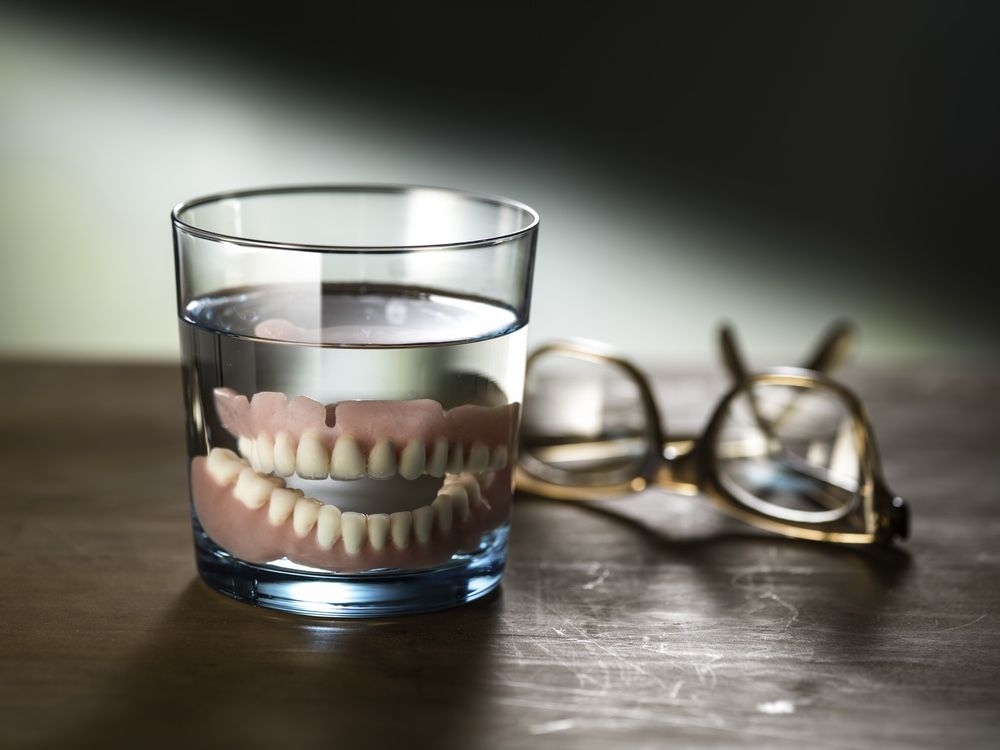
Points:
x=353, y=360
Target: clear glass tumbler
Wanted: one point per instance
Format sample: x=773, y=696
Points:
x=353, y=360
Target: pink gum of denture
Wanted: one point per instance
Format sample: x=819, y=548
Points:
x=249, y=535
x=367, y=421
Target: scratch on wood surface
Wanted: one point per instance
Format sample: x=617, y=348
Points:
x=595, y=645
x=625, y=714
x=630, y=663
x=578, y=672
x=675, y=691
x=963, y=625
x=706, y=671
x=548, y=727
x=757, y=579
x=599, y=580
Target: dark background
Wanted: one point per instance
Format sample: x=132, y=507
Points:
x=869, y=127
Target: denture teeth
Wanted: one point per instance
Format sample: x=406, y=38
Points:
x=423, y=523
x=459, y=500
x=456, y=461
x=328, y=526
x=283, y=501
x=472, y=489
x=400, y=525
x=312, y=460
x=252, y=489
x=382, y=460
x=248, y=450
x=499, y=458
x=378, y=530
x=412, y=460
x=348, y=460
x=265, y=453
x=352, y=527
x=479, y=458
x=305, y=515
x=439, y=458
x=223, y=465
x=284, y=455
x=442, y=511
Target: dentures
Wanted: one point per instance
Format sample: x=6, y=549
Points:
x=258, y=518
x=370, y=484
x=377, y=439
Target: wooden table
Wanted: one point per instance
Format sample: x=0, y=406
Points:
x=648, y=623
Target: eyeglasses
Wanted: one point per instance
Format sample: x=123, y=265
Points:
x=788, y=449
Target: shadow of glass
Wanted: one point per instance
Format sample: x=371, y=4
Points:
x=216, y=670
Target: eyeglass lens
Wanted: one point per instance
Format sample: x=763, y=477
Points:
x=790, y=451
x=583, y=422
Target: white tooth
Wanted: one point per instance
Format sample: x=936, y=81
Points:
x=328, y=526
x=252, y=489
x=223, y=465
x=382, y=460
x=305, y=515
x=439, y=458
x=459, y=500
x=284, y=455
x=423, y=523
x=348, y=461
x=283, y=501
x=352, y=526
x=471, y=486
x=479, y=458
x=456, y=462
x=251, y=447
x=265, y=453
x=378, y=530
x=411, y=460
x=499, y=460
x=245, y=447
x=442, y=511
x=400, y=525
x=312, y=460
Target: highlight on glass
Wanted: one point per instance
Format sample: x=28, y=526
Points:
x=353, y=360
x=789, y=450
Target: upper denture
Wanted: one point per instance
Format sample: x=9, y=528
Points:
x=414, y=436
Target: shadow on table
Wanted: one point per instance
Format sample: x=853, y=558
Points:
x=835, y=594
x=218, y=671
x=880, y=566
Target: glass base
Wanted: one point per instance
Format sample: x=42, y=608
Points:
x=464, y=578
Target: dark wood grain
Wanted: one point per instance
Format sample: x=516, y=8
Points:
x=646, y=623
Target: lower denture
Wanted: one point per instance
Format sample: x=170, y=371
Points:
x=228, y=500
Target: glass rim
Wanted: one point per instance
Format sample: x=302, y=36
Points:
x=361, y=187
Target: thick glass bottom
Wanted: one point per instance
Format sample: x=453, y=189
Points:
x=464, y=578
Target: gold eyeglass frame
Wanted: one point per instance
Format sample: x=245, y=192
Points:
x=688, y=466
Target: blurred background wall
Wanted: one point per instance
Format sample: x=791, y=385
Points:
x=775, y=165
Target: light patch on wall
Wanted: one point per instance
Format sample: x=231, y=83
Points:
x=101, y=137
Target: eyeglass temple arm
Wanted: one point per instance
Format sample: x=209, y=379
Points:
x=733, y=361
x=832, y=348
x=732, y=358
x=829, y=352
